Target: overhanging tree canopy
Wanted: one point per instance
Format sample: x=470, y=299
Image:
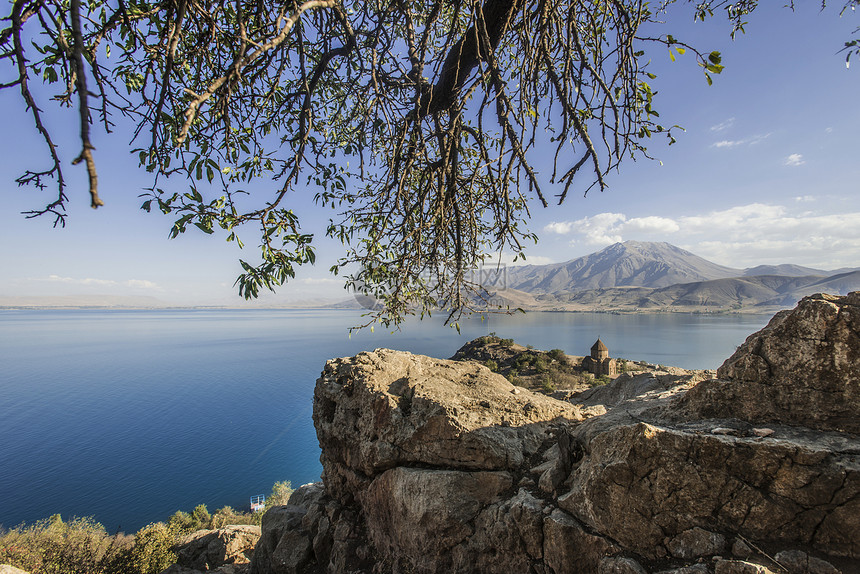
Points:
x=439, y=107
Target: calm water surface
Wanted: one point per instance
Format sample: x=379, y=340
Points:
x=128, y=416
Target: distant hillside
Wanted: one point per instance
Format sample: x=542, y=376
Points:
x=784, y=270
x=659, y=276
x=628, y=264
x=66, y=301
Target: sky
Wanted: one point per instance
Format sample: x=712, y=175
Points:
x=767, y=171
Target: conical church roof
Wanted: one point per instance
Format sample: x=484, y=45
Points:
x=599, y=346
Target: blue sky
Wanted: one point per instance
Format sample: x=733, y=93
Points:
x=767, y=172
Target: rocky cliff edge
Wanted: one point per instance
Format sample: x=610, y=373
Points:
x=435, y=466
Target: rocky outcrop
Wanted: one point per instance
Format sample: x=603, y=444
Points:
x=802, y=369
x=210, y=549
x=442, y=466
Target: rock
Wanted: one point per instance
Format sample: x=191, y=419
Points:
x=696, y=542
x=740, y=567
x=741, y=549
x=643, y=483
x=293, y=553
x=726, y=431
x=434, y=466
x=799, y=562
x=802, y=369
x=383, y=409
x=9, y=569
x=619, y=565
x=284, y=540
x=209, y=549
x=422, y=515
x=694, y=569
x=567, y=547
x=224, y=569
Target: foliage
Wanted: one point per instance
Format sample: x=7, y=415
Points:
x=547, y=385
x=53, y=546
x=507, y=343
x=602, y=380
x=82, y=546
x=280, y=495
x=418, y=123
x=557, y=355
x=492, y=365
x=151, y=552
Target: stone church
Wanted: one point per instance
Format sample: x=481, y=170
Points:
x=599, y=362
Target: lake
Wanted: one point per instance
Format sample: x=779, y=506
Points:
x=128, y=416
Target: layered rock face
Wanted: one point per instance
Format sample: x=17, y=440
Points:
x=802, y=369
x=435, y=466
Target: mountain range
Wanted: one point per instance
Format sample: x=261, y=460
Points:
x=660, y=276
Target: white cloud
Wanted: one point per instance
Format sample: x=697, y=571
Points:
x=560, y=227
x=794, y=160
x=750, y=141
x=723, y=125
x=740, y=236
x=90, y=281
x=804, y=198
x=600, y=229
x=609, y=228
x=727, y=143
x=652, y=224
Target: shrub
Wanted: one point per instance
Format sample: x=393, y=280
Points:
x=281, y=492
x=506, y=342
x=491, y=364
x=546, y=384
x=541, y=365
x=53, y=546
x=601, y=380
x=151, y=552
x=557, y=355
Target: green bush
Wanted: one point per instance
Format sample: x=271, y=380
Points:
x=506, y=342
x=491, y=364
x=557, y=355
x=541, y=365
x=602, y=380
x=547, y=385
x=151, y=552
x=53, y=546
x=82, y=546
x=281, y=492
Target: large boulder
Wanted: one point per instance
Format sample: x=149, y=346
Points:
x=646, y=486
x=802, y=369
x=385, y=408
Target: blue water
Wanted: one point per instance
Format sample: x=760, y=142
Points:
x=128, y=416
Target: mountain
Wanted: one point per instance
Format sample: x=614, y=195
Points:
x=784, y=270
x=659, y=276
x=734, y=293
x=95, y=301
x=628, y=264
